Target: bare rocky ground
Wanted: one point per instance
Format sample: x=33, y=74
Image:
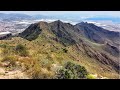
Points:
x=15, y=74
x=5, y=73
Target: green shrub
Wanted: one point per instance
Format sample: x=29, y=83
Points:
x=72, y=71
x=3, y=45
x=90, y=76
x=7, y=51
x=21, y=50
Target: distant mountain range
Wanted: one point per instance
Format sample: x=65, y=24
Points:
x=13, y=16
x=10, y=17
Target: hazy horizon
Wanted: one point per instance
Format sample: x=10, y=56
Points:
x=70, y=13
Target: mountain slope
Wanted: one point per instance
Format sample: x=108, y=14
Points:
x=68, y=35
x=51, y=45
x=98, y=34
x=109, y=39
x=31, y=32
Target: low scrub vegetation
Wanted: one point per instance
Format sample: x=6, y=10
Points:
x=9, y=62
x=90, y=76
x=21, y=50
x=72, y=71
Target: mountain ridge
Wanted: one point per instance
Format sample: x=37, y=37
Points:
x=44, y=47
x=66, y=34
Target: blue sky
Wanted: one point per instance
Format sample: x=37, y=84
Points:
x=72, y=13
